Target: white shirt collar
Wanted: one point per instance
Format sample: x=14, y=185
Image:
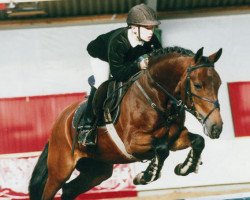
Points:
x=133, y=40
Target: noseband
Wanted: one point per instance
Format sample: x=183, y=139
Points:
x=188, y=94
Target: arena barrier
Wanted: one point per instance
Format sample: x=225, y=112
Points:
x=16, y=171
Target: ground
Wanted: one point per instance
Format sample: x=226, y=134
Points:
x=178, y=194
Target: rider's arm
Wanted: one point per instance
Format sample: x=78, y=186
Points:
x=97, y=48
x=143, y=60
x=121, y=69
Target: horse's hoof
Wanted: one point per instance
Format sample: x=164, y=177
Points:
x=184, y=170
x=138, y=180
x=177, y=170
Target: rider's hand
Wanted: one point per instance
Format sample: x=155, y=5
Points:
x=144, y=63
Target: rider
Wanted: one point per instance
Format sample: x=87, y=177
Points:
x=120, y=53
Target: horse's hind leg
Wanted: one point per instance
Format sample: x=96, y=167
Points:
x=52, y=186
x=193, y=160
x=92, y=173
x=60, y=168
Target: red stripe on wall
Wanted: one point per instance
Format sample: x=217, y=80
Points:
x=25, y=122
x=108, y=195
x=240, y=106
x=3, y=6
x=98, y=195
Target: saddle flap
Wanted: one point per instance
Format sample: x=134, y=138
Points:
x=78, y=115
x=108, y=98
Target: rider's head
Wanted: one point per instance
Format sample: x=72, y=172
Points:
x=142, y=19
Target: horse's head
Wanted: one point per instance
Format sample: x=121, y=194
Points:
x=199, y=90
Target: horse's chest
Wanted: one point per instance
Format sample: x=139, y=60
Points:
x=141, y=143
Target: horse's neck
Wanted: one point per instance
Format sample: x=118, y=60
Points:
x=169, y=72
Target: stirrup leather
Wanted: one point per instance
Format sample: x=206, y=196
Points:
x=87, y=137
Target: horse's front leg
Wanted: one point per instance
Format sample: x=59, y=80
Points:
x=193, y=160
x=152, y=172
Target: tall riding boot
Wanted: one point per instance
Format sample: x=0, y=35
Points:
x=87, y=135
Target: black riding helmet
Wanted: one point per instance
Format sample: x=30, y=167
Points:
x=142, y=15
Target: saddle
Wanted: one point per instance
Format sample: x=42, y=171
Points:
x=107, y=98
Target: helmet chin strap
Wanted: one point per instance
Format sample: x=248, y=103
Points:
x=138, y=36
x=139, y=33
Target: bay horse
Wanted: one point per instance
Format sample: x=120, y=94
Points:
x=150, y=124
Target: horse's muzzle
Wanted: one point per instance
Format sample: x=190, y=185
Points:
x=215, y=131
x=212, y=126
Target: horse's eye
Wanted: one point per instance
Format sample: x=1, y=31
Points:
x=197, y=86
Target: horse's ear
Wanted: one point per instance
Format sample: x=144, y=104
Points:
x=214, y=57
x=198, y=55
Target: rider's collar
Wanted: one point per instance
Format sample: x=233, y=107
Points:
x=133, y=39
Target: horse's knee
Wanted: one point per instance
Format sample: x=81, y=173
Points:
x=197, y=142
x=162, y=150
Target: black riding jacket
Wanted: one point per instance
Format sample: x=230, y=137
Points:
x=115, y=48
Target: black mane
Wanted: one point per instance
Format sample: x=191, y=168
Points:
x=175, y=49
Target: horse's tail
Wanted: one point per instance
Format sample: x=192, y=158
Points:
x=39, y=176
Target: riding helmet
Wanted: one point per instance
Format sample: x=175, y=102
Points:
x=142, y=15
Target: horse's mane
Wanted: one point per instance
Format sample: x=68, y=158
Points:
x=172, y=50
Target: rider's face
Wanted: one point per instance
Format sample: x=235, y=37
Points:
x=146, y=32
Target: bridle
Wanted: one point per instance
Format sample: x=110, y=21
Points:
x=188, y=95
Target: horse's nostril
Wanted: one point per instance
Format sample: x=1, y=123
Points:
x=216, y=130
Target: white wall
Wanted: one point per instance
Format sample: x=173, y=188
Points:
x=45, y=60
x=54, y=60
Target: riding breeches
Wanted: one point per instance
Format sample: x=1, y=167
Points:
x=100, y=71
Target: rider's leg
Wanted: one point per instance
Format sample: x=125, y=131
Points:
x=86, y=137
x=101, y=73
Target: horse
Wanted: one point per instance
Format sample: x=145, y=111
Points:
x=150, y=125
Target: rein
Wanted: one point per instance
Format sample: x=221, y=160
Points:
x=163, y=114
x=188, y=94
